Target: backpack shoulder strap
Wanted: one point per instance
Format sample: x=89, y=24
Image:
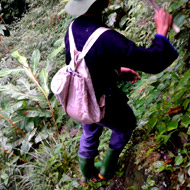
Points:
x=92, y=39
x=89, y=43
x=71, y=41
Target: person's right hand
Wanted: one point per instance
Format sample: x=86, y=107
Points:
x=163, y=21
x=129, y=75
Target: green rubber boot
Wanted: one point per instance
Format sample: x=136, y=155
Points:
x=110, y=164
x=88, y=169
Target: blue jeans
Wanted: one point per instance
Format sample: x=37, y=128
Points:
x=119, y=118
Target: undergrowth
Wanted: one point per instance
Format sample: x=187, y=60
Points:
x=39, y=143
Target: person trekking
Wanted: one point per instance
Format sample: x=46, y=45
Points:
x=112, y=55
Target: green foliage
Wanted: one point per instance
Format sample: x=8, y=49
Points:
x=8, y=172
x=29, y=99
x=2, y=28
x=161, y=103
x=29, y=114
x=51, y=165
x=12, y=9
x=32, y=156
x=39, y=29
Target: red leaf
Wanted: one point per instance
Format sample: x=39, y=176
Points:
x=25, y=112
x=173, y=111
x=141, y=90
x=168, y=161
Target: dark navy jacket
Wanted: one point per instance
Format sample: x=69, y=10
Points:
x=113, y=50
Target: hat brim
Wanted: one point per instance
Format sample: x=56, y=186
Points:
x=78, y=7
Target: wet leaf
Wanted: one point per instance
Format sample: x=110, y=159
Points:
x=22, y=60
x=159, y=166
x=149, y=151
x=2, y=28
x=179, y=19
x=41, y=136
x=30, y=135
x=172, y=125
x=30, y=126
x=185, y=120
x=58, y=148
x=6, y=72
x=25, y=147
x=57, y=51
x=44, y=81
x=188, y=171
x=65, y=178
x=38, y=113
x=186, y=103
x=161, y=128
x=188, y=131
x=178, y=95
x=59, y=42
x=35, y=59
x=123, y=21
x=150, y=182
x=166, y=137
x=181, y=177
x=178, y=160
x=14, y=160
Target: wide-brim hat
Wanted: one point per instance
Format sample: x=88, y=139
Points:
x=78, y=7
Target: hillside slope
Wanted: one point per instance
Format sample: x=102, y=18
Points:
x=158, y=157
x=35, y=156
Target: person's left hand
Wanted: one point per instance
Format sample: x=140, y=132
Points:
x=129, y=75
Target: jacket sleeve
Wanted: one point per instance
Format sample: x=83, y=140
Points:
x=153, y=60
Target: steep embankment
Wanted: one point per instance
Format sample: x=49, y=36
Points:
x=159, y=155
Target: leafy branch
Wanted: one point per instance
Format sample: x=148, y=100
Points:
x=22, y=60
x=17, y=128
x=7, y=152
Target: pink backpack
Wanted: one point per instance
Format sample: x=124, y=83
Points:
x=72, y=84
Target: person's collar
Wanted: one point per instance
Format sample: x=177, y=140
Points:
x=92, y=15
